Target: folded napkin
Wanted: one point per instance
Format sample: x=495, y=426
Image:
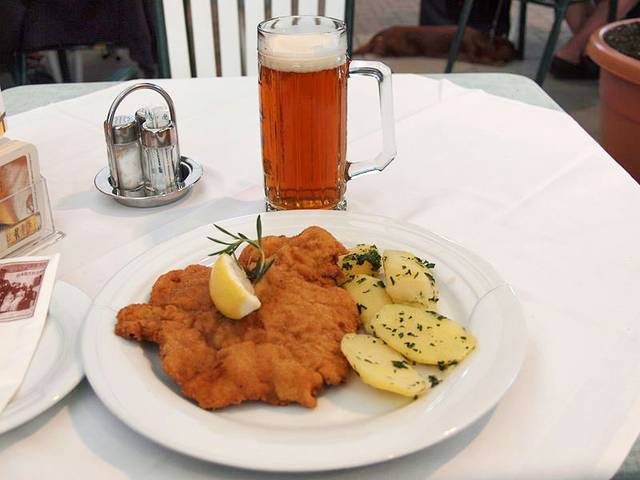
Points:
x=26, y=284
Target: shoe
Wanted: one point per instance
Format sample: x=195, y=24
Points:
x=590, y=66
x=565, y=70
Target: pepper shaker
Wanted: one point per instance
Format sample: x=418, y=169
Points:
x=161, y=156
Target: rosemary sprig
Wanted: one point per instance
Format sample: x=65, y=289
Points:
x=262, y=265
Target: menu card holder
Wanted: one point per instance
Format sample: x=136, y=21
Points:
x=31, y=225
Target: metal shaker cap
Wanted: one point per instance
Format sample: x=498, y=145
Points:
x=162, y=137
x=125, y=129
x=141, y=116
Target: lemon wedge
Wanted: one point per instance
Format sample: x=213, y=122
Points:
x=230, y=289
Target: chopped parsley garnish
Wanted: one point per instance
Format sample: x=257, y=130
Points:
x=433, y=380
x=399, y=363
x=442, y=365
x=425, y=263
x=372, y=256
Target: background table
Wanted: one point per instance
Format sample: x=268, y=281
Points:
x=516, y=87
x=84, y=413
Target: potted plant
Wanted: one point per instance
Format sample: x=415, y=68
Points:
x=616, y=48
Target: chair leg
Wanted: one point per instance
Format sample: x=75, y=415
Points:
x=161, y=40
x=54, y=65
x=78, y=66
x=522, y=29
x=19, y=70
x=545, y=61
x=188, y=23
x=454, y=48
x=64, y=66
x=349, y=19
x=613, y=10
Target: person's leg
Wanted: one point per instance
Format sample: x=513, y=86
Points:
x=577, y=14
x=434, y=12
x=573, y=50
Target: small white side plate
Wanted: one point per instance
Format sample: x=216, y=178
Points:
x=56, y=367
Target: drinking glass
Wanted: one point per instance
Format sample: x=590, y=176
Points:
x=303, y=71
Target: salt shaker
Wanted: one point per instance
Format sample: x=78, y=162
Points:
x=125, y=160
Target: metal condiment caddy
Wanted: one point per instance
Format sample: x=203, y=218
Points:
x=145, y=168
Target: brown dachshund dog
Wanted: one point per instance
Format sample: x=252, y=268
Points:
x=434, y=41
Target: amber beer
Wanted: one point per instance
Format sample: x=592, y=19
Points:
x=303, y=70
x=303, y=105
x=304, y=116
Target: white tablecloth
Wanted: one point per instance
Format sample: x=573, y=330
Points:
x=522, y=186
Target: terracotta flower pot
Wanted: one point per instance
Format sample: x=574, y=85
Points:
x=619, y=100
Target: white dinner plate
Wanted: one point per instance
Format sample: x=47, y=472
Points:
x=56, y=367
x=352, y=424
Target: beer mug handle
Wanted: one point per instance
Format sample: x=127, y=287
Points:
x=382, y=74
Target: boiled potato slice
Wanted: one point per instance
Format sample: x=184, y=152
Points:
x=409, y=279
x=369, y=294
x=362, y=259
x=423, y=336
x=380, y=366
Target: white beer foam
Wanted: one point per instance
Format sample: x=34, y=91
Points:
x=304, y=52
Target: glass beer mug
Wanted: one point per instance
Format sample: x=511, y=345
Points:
x=304, y=66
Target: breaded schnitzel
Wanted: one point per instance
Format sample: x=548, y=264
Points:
x=283, y=353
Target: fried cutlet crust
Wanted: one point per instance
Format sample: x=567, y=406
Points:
x=283, y=353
